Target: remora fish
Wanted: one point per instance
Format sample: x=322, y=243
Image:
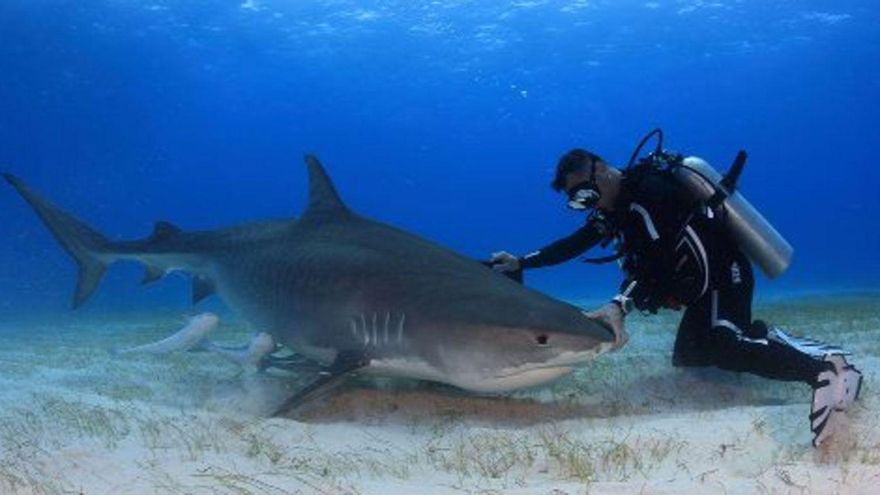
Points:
x=355, y=295
x=253, y=353
x=191, y=335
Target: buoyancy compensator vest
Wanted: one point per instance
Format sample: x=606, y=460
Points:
x=718, y=194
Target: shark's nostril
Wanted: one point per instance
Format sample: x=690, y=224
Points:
x=542, y=339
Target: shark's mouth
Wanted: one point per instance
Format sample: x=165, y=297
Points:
x=564, y=360
x=503, y=381
x=533, y=369
x=533, y=374
x=522, y=378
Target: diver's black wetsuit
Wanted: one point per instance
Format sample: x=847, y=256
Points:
x=680, y=255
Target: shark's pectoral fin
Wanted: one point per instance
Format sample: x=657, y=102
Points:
x=291, y=362
x=327, y=380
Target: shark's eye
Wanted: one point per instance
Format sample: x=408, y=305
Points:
x=542, y=339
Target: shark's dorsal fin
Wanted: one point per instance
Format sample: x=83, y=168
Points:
x=323, y=199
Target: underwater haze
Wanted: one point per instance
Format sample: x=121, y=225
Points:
x=445, y=118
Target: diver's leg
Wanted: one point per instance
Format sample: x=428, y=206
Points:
x=738, y=344
x=843, y=389
x=688, y=350
x=696, y=343
x=735, y=343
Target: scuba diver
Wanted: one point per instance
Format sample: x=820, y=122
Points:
x=685, y=238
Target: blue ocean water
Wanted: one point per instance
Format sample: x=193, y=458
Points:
x=445, y=118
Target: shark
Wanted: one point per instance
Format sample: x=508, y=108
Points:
x=354, y=295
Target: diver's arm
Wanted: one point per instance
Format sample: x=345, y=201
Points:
x=566, y=248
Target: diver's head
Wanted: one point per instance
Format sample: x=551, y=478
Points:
x=587, y=180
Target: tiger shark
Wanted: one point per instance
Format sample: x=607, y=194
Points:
x=354, y=295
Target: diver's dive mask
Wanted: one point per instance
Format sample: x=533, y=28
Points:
x=583, y=196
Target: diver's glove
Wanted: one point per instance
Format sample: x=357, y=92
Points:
x=503, y=261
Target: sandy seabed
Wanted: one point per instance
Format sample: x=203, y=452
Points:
x=75, y=419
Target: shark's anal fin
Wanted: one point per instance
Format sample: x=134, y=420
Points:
x=327, y=380
x=201, y=288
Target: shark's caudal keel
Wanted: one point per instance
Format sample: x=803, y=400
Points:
x=355, y=295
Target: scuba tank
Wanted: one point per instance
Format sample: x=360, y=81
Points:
x=760, y=242
x=752, y=232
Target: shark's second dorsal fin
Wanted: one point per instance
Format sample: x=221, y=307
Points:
x=323, y=199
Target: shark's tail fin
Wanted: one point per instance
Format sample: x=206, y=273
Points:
x=82, y=242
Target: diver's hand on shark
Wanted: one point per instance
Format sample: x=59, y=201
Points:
x=611, y=316
x=503, y=261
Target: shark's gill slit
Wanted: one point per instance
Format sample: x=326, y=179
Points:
x=364, y=329
x=400, y=325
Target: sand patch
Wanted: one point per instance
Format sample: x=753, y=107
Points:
x=75, y=419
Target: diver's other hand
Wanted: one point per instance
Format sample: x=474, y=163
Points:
x=611, y=316
x=502, y=261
